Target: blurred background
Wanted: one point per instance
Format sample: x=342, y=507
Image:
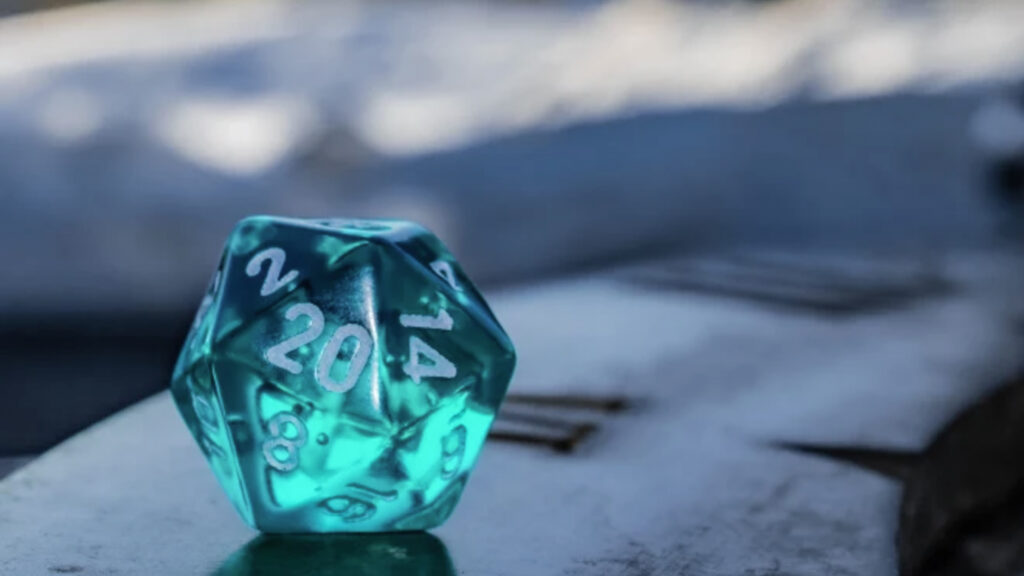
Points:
x=537, y=139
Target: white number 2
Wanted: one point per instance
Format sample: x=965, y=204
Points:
x=278, y=354
x=273, y=281
x=439, y=366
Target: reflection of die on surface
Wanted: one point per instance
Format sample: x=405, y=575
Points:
x=341, y=375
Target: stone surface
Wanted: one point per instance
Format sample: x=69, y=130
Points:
x=11, y=463
x=687, y=480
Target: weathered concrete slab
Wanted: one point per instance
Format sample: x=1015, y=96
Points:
x=11, y=463
x=685, y=481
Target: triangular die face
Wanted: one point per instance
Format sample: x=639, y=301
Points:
x=437, y=266
x=196, y=395
x=266, y=260
x=197, y=342
x=317, y=345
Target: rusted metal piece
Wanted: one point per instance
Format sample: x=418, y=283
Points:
x=563, y=443
x=810, y=287
x=601, y=404
x=530, y=419
x=895, y=464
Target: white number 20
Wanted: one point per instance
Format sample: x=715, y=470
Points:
x=278, y=354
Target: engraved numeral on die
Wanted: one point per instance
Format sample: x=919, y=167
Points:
x=204, y=306
x=444, y=270
x=278, y=353
x=360, y=357
x=273, y=281
x=443, y=321
x=439, y=366
x=207, y=417
x=277, y=440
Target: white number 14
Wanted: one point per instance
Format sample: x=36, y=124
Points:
x=438, y=366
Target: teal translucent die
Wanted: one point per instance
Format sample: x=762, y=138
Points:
x=341, y=375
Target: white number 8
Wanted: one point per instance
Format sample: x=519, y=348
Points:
x=277, y=440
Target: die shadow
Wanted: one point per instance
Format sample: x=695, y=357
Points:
x=407, y=553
